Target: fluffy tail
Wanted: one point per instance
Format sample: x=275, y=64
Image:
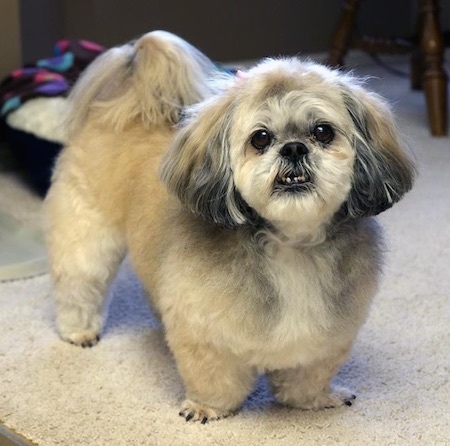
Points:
x=152, y=80
x=102, y=80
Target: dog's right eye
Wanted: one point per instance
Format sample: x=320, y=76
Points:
x=261, y=139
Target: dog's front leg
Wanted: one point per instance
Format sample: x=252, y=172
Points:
x=309, y=387
x=216, y=382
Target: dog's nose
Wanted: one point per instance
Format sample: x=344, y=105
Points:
x=294, y=151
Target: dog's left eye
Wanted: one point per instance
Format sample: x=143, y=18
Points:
x=323, y=133
x=261, y=139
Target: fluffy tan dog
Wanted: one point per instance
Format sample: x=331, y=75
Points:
x=257, y=247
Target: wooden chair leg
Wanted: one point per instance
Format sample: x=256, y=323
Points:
x=434, y=75
x=340, y=38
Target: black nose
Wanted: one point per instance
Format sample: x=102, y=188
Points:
x=294, y=151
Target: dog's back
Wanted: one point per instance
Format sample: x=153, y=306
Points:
x=121, y=116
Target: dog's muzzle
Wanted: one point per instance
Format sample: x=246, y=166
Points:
x=294, y=175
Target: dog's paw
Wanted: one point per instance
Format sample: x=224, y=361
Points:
x=85, y=338
x=192, y=411
x=337, y=397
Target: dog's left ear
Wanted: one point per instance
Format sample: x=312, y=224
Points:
x=197, y=168
x=384, y=169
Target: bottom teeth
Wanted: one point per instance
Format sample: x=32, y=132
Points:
x=289, y=180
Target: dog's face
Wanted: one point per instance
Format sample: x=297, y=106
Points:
x=294, y=144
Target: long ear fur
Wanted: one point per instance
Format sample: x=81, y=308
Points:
x=152, y=80
x=384, y=170
x=196, y=167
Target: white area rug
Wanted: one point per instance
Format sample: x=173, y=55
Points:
x=126, y=391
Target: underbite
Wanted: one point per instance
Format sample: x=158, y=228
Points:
x=293, y=182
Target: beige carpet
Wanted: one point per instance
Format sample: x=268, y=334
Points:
x=125, y=391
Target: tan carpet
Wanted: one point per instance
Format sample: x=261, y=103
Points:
x=125, y=391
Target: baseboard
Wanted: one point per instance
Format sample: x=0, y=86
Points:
x=9, y=438
x=353, y=59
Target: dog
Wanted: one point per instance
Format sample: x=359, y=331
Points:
x=250, y=222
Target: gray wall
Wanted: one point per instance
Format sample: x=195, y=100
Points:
x=226, y=30
x=10, y=48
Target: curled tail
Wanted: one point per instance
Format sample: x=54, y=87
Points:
x=107, y=77
x=151, y=79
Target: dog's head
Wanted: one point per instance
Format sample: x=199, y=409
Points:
x=292, y=143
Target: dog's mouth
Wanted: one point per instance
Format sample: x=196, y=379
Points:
x=293, y=181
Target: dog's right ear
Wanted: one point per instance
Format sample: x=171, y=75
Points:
x=197, y=169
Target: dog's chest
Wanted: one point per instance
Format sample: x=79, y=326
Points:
x=303, y=315
x=302, y=282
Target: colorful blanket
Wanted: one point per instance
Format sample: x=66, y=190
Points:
x=47, y=77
